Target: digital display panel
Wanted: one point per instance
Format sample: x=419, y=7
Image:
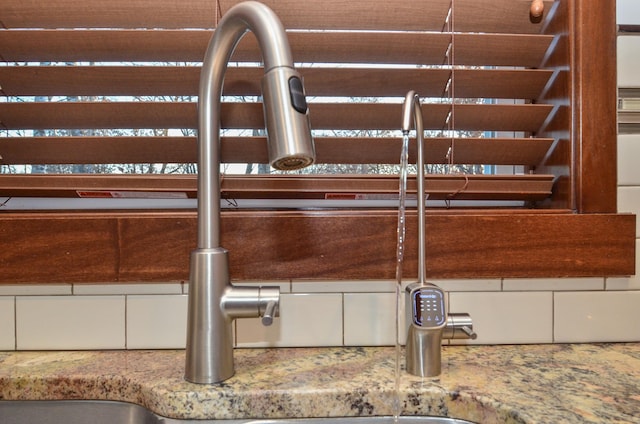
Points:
x=428, y=307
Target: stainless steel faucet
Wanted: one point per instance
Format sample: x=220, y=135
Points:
x=213, y=302
x=425, y=304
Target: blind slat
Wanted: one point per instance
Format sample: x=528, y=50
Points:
x=497, y=16
x=109, y=14
x=329, y=150
x=469, y=15
x=307, y=47
x=184, y=80
x=460, y=187
x=357, y=15
x=500, y=49
x=103, y=46
x=328, y=14
x=337, y=116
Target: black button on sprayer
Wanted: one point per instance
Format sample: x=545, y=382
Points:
x=298, y=100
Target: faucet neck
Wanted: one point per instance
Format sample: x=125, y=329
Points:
x=412, y=114
x=263, y=22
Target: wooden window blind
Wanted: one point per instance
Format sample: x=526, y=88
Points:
x=465, y=62
x=97, y=83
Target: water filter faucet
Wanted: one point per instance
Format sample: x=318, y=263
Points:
x=428, y=323
x=427, y=318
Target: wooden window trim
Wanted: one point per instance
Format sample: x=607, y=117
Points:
x=154, y=246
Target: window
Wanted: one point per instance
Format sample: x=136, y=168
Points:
x=111, y=85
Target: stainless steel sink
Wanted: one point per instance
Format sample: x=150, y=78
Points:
x=107, y=412
x=74, y=412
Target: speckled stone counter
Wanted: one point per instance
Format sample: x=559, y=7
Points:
x=486, y=384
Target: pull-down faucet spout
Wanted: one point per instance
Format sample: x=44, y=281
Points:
x=213, y=302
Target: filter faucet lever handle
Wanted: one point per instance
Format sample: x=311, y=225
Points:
x=459, y=326
x=469, y=332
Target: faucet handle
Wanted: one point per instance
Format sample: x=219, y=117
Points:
x=268, y=304
x=459, y=326
x=469, y=332
x=269, y=312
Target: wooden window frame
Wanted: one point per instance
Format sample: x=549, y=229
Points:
x=577, y=234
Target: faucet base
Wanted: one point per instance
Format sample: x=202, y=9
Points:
x=426, y=318
x=424, y=357
x=209, y=355
x=213, y=305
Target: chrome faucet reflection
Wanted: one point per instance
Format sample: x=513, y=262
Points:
x=425, y=303
x=213, y=302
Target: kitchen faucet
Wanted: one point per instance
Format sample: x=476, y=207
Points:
x=213, y=301
x=425, y=304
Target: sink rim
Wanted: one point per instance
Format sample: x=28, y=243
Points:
x=153, y=418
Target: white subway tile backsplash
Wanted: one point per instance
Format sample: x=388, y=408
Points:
x=115, y=289
x=628, y=154
x=506, y=317
x=35, y=289
x=156, y=321
x=370, y=319
x=284, y=286
x=624, y=283
x=70, y=322
x=628, y=60
x=469, y=285
x=596, y=317
x=7, y=323
x=305, y=320
x=343, y=286
x=629, y=202
x=628, y=12
x=552, y=284
x=627, y=283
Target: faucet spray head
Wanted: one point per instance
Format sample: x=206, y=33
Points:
x=286, y=116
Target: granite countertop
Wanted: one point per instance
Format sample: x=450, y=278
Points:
x=581, y=383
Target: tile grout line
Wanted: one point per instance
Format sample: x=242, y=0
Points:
x=15, y=322
x=126, y=310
